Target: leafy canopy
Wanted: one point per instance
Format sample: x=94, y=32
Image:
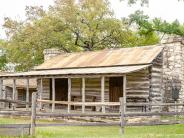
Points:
x=3, y=59
x=147, y=26
x=84, y=25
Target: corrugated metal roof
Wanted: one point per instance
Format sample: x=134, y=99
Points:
x=80, y=71
x=114, y=57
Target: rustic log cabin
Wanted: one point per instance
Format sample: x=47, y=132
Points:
x=138, y=74
x=100, y=76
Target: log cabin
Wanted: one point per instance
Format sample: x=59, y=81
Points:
x=138, y=74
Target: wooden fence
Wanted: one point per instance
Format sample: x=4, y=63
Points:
x=122, y=114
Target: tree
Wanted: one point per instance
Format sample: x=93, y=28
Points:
x=85, y=25
x=146, y=25
x=3, y=59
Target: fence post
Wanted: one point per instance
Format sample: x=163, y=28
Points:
x=122, y=117
x=33, y=114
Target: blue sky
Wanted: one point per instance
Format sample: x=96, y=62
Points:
x=166, y=9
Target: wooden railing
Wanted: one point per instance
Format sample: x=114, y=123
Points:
x=80, y=103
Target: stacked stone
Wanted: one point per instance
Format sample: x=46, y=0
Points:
x=50, y=53
x=173, y=67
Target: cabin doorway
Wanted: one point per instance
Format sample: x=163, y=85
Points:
x=115, y=91
x=115, y=88
x=61, y=89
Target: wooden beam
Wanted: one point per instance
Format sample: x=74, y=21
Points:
x=81, y=103
x=1, y=88
x=1, y=92
x=53, y=94
x=69, y=94
x=14, y=93
x=83, y=95
x=124, y=91
x=27, y=93
x=41, y=92
x=64, y=76
x=33, y=114
x=122, y=117
x=103, y=93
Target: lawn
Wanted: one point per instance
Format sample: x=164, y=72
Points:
x=170, y=131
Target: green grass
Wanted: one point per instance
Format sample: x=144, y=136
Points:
x=174, y=131
x=169, y=131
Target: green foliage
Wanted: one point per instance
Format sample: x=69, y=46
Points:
x=84, y=26
x=3, y=58
x=147, y=26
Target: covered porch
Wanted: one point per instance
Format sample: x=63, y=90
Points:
x=83, y=90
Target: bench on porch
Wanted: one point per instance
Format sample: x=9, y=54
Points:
x=78, y=98
x=137, y=99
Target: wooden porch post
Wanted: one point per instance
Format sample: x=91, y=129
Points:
x=69, y=94
x=124, y=91
x=83, y=95
x=14, y=93
x=1, y=92
x=41, y=92
x=53, y=94
x=1, y=88
x=103, y=92
x=27, y=93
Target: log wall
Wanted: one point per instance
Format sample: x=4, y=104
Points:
x=138, y=85
x=156, y=81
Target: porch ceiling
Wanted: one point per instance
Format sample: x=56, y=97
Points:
x=80, y=71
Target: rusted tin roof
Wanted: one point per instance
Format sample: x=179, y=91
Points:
x=103, y=58
x=80, y=71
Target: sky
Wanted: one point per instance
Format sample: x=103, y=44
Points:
x=169, y=10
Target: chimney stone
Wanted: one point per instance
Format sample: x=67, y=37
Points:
x=50, y=53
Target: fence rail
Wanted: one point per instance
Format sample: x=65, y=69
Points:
x=80, y=103
x=15, y=101
x=122, y=114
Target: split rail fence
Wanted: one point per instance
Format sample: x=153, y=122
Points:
x=123, y=115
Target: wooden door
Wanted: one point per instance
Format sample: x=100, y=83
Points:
x=115, y=88
x=61, y=89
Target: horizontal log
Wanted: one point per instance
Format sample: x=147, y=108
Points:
x=79, y=124
x=88, y=124
x=155, y=104
x=154, y=123
x=80, y=103
x=153, y=114
x=57, y=124
x=79, y=114
x=14, y=101
x=15, y=126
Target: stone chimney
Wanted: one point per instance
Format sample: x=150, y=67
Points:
x=170, y=39
x=50, y=53
x=173, y=65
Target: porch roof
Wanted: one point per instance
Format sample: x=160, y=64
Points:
x=21, y=83
x=79, y=71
